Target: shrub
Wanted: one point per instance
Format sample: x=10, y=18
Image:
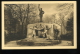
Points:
x=68, y=36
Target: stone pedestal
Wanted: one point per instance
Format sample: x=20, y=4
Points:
x=30, y=30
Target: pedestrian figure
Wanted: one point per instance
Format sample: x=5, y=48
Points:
x=34, y=31
x=47, y=35
x=44, y=33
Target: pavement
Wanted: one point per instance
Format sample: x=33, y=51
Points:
x=39, y=41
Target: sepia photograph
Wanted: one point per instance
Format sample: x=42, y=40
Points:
x=39, y=25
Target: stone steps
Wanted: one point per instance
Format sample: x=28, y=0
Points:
x=38, y=42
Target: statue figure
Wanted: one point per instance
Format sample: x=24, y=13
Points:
x=41, y=14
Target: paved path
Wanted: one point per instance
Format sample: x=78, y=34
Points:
x=13, y=43
x=64, y=43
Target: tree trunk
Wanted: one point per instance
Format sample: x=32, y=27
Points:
x=27, y=19
x=22, y=29
x=61, y=29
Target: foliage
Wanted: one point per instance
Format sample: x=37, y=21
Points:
x=69, y=26
x=17, y=17
x=67, y=36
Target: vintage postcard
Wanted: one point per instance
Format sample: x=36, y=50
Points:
x=39, y=25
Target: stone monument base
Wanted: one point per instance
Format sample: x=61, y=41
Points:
x=37, y=42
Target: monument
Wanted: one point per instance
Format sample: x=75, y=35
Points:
x=41, y=32
x=41, y=12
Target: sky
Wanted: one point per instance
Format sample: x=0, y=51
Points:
x=49, y=9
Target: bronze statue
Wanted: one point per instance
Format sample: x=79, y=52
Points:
x=41, y=12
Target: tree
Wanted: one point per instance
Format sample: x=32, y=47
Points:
x=64, y=10
x=10, y=22
x=48, y=19
x=69, y=28
x=24, y=14
x=33, y=13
